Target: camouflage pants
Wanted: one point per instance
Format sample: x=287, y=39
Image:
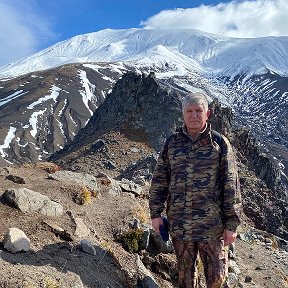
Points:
x=214, y=257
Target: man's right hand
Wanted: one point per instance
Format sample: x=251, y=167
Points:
x=156, y=223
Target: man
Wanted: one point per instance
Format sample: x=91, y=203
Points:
x=196, y=178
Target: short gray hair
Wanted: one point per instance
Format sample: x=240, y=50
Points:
x=198, y=98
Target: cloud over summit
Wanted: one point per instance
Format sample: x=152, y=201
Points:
x=243, y=19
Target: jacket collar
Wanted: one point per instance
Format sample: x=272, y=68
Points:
x=202, y=134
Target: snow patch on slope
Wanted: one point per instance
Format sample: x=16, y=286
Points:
x=34, y=120
x=12, y=97
x=54, y=94
x=10, y=136
x=88, y=93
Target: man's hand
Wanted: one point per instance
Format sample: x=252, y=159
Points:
x=229, y=237
x=156, y=223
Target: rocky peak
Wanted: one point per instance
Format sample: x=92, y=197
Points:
x=144, y=110
x=139, y=108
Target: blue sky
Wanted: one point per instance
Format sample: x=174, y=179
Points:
x=27, y=26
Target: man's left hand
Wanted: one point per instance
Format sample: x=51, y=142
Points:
x=229, y=237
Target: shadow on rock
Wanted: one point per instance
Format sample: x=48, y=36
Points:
x=94, y=270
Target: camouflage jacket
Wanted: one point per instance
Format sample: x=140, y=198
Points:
x=198, y=182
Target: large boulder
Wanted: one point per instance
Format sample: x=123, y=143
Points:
x=27, y=200
x=83, y=179
x=15, y=240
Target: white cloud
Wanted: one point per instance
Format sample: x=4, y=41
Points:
x=244, y=19
x=21, y=29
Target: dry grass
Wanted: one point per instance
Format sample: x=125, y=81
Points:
x=28, y=165
x=109, y=246
x=47, y=282
x=140, y=212
x=29, y=285
x=50, y=283
x=48, y=166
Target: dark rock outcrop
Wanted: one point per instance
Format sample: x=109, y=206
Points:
x=143, y=110
x=137, y=107
x=263, y=164
x=264, y=190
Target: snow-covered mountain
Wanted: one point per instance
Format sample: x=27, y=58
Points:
x=43, y=104
x=191, y=49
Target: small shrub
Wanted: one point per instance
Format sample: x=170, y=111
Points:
x=27, y=165
x=105, y=182
x=49, y=283
x=85, y=196
x=130, y=239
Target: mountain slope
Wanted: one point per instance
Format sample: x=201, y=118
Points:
x=53, y=257
x=248, y=75
x=41, y=112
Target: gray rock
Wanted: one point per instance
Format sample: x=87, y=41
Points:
x=260, y=267
x=146, y=279
x=147, y=282
x=248, y=279
x=232, y=280
x=282, y=243
x=59, y=231
x=109, y=165
x=130, y=186
x=54, y=227
x=140, y=180
x=114, y=188
x=29, y=201
x=268, y=241
x=15, y=240
x=233, y=267
x=82, y=179
x=135, y=224
x=144, y=241
x=160, y=245
x=231, y=251
x=81, y=230
x=242, y=236
x=87, y=247
x=78, y=282
x=134, y=149
x=16, y=179
x=141, y=171
x=98, y=146
x=261, y=238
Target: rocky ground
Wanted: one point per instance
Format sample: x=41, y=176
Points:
x=56, y=258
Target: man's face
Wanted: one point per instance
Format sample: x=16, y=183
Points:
x=195, y=118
